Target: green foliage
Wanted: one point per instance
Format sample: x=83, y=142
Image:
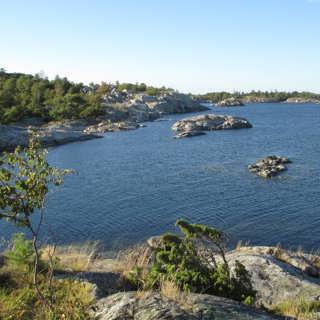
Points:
x=21, y=255
x=25, y=177
x=274, y=95
x=136, y=277
x=179, y=260
x=23, y=95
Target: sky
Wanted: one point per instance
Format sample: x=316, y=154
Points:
x=190, y=45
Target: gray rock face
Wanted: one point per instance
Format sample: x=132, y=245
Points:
x=128, y=305
x=269, y=166
x=49, y=135
x=210, y=122
x=176, y=103
x=141, y=112
x=107, y=126
x=277, y=274
x=231, y=102
x=65, y=132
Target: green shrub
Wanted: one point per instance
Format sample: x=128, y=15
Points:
x=179, y=260
x=21, y=256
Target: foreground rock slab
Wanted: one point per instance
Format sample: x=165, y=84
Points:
x=269, y=166
x=210, y=122
x=279, y=275
x=153, y=306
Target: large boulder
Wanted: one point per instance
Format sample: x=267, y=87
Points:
x=153, y=306
x=279, y=275
x=209, y=122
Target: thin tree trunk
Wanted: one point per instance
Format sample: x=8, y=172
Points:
x=35, y=234
x=35, y=271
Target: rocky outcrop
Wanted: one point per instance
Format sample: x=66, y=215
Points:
x=49, y=135
x=141, y=112
x=269, y=166
x=107, y=126
x=210, y=122
x=64, y=132
x=249, y=99
x=278, y=274
x=153, y=306
x=176, y=103
x=231, y=102
x=302, y=100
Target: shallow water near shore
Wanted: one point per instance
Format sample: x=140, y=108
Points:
x=135, y=184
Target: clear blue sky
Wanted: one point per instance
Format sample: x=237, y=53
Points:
x=191, y=45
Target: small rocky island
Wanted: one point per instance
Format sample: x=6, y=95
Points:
x=230, y=102
x=193, y=126
x=300, y=100
x=269, y=166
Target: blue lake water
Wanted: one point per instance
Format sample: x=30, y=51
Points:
x=135, y=184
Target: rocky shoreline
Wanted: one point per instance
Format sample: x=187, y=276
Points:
x=122, y=112
x=278, y=275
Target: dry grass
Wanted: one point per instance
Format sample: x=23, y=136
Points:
x=299, y=309
x=139, y=256
x=143, y=294
x=171, y=291
x=80, y=257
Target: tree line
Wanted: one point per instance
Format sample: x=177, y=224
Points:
x=24, y=95
x=279, y=96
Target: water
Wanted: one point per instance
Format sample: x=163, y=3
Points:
x=135, y=184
